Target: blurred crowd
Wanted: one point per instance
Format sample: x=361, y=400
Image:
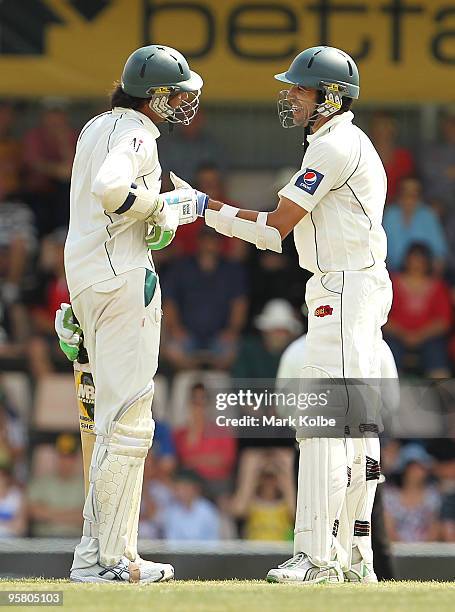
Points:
x=227, y=308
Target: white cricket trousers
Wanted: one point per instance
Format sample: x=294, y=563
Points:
x=346, y=311
x=122, y=337
x=121, y=321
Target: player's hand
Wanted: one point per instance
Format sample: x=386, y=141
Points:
x=175, y=208
x=158, y=238
x=202, y=199
x=68, y=331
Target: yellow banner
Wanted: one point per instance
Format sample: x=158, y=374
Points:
x=405, y=48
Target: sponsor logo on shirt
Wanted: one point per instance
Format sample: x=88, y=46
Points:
x=323, y=311
x=309, y=180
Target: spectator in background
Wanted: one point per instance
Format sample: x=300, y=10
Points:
x=190, y=516
x=411, y=511
x=17, y=242
x=17, y=245
x=443, y=452
x=259, y=356
x=204, y=306
x=12, y=436
x=449, y=227
x=203, y=449
x=438, y=167
x=48, y=155
x=187, y=149
x=410, y=220
x=209, y=180
x=10, y=150
x=398, y=161
x=158, y=494
x=275, y=275
x=55, y=501
x=12, y=508
x=270, y=509
x=50, y=291
x=421, y=315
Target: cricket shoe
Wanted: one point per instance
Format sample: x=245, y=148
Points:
x=301, y=569
x=166, y=569
x=124, y=571
x=359, y=570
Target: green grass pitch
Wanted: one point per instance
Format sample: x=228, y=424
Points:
x=245, y=596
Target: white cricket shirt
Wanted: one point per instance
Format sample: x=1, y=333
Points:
x=342, y=184
x=116, y=149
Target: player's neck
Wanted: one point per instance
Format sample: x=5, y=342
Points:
x=319, y=123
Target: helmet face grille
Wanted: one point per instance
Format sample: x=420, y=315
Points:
x=187, y=110
x=292, y=113
x=184, y=113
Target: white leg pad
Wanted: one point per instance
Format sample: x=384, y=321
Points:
x=355, y=520
x=133, y=518
x=111, y=509
x=322, y=485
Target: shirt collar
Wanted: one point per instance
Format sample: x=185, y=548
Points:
x=146, y=121
x=343, y=118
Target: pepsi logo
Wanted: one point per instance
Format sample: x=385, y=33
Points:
x=309, y=178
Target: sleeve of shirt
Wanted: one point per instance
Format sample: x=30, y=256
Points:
x=321, y=171
x=128, y=156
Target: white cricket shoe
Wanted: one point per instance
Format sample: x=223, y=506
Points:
x=142, y=572
x=301, y=569
x=166, y=569
x=359, y=570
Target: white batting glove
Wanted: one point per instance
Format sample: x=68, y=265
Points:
x=179, y=205
x=202, y=199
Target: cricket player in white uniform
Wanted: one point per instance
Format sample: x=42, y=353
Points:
x=117, y=215
x=334, y=204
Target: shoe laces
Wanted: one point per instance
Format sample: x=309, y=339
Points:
x=294, y=561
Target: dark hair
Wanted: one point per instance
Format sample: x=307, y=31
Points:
x=411, y=177
x=120, y=98
x=419, y=248
x=198, y=387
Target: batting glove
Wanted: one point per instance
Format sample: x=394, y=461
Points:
x=68, y=331
x=202, y=199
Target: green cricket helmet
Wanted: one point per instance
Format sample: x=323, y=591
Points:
x=327, y=69
x=158, y=73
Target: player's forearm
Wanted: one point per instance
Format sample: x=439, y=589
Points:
x=249, y=215
x=282, y=220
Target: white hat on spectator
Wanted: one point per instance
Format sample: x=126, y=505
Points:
x=414, y=453
x=278, y=314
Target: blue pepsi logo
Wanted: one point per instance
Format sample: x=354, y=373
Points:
x=309, y=180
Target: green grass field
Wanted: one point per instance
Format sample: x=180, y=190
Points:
x=245, y=596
